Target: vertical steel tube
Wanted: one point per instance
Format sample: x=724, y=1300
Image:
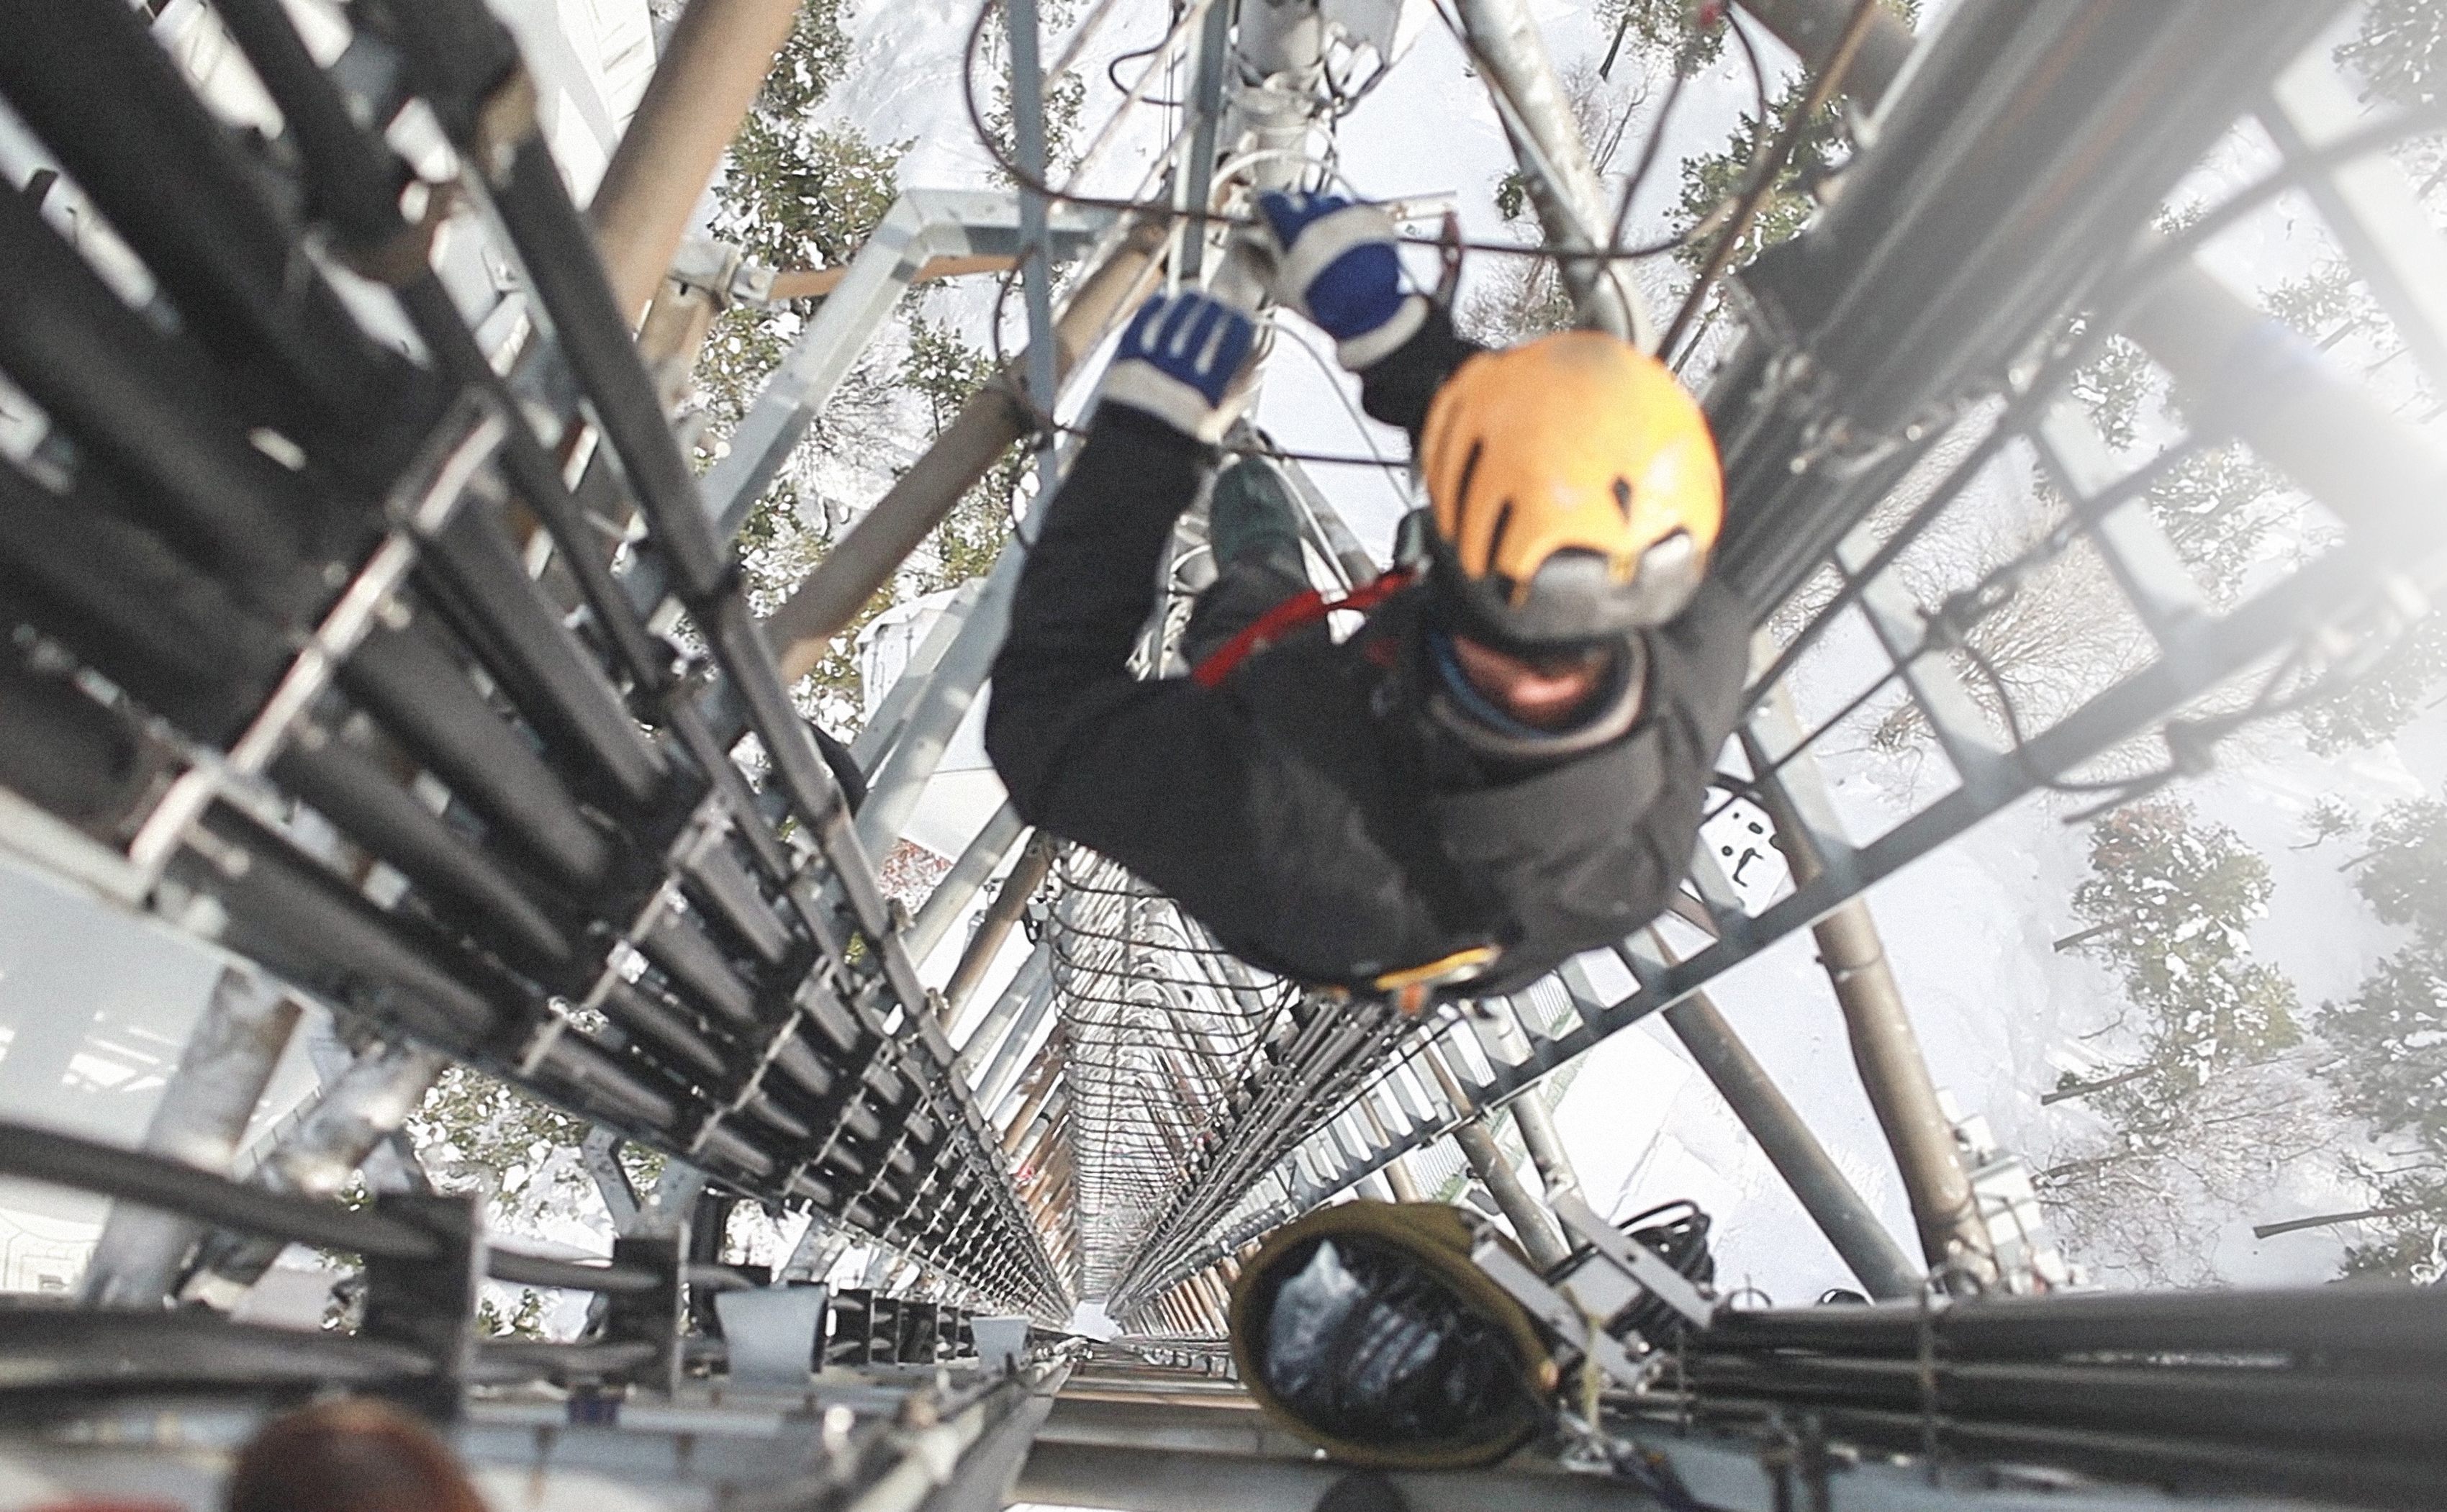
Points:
x=228, y=1061
x=1192, y=191
x=1033, y=978
x=1004, y=1067
x=1037, y=262
x=1499, y=1025
x=1043, y=1106
x=1868, y=1250
x=1530, y=1225
x=1885, y=1051
x=968, y=873
x=1042, y=1129
x=1895, y=1075
x=1555, y=164
x=1218, y=1296
x=1536, y=1122
x=1281, y=44
x=873, y=743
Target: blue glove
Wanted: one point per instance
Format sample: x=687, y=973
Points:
x=1336, y=262
x=1181, y=361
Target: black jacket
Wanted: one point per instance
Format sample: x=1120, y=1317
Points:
x=1308, y=810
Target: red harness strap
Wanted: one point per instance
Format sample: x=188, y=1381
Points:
x=1305, y=608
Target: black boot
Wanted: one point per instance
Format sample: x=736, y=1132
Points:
x=1253, y=526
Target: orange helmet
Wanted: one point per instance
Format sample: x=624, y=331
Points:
x=1575, y=487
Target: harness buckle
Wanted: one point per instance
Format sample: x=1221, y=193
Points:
x=1413, y=987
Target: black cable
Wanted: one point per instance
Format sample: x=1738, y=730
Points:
x=1681, y=1240
x=1112, y=76
x=1708, y=222
x=156, y=1181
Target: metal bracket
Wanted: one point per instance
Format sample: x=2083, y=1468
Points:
x=651, y=1317
x=429, y=1303
x=922, y=224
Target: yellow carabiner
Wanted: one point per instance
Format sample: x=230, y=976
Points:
x=1411, y=988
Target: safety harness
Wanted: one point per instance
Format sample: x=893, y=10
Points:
x=1301, y=610
x=1412, y=988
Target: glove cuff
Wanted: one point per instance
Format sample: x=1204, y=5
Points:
x=1142, y=387
x=1370, y=348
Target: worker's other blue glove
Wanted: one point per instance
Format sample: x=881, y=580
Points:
x=1336, y=262
x=1181, y=361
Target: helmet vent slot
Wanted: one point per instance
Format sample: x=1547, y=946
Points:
x=1461, y=490
x=1495, y=537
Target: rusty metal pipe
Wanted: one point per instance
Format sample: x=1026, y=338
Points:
x=1027, y=875
x=996, y=416
x=712, y=68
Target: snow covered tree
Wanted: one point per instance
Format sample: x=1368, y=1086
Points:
x=798, y=192
x=2401, y=52
x=2175, y=896
x=2214, y=1097
x=1712, y=182
x=944, y=372
x=1684, y=31
x=2389, y=1041
x=2390, y=1044
x=2140, y=1197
